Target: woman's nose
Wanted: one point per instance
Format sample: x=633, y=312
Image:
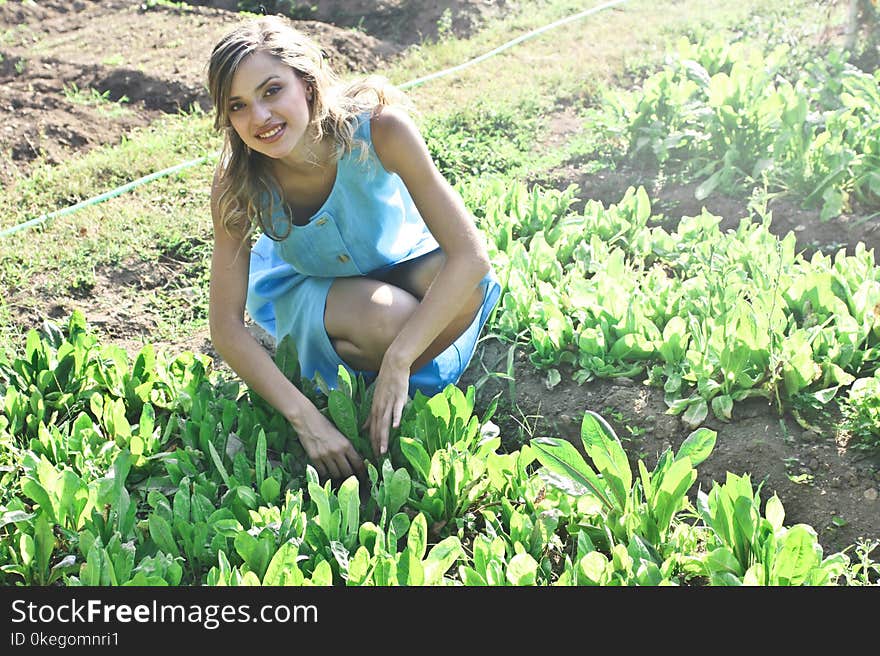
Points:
x=260, y=113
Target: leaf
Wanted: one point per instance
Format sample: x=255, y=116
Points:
x=592, y=569
x=722, y=560
x=774, y=512
x=260, y=458
x=415, y=453
x=326, y=519
x=397, y=490
x=349, y=505
x=182, y=503
x=160, y=531
x=696, y=413
x=344, y=413
x=218, y=463
x=471, y=577
x=603, y=446
x=253, y=551
x=410, y=569
x=522, y=570
x=358, y=567
x=322, y=574
x=283, y=568
x=37, y=493
x=698, y=446
x=705, y=188
x=799, y=554
x=560, y=457
x=441, y=557
x=11, y=516
x=677, y=480
x=417, y=538
x=397, y=528
x=287, y=360
x=722, y=406
x=270, y=490
x=44, y=543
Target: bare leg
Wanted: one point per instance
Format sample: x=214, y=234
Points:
x=363, y=315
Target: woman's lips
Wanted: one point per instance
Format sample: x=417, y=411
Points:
x=273, y=134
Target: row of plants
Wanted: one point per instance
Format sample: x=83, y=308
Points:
x=162, y=473
x=712, y=317
x=725, y=115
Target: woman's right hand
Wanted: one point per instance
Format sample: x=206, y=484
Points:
x=329, y=450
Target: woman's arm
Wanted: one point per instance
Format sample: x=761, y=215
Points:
x=402, y=150
x=330, y=452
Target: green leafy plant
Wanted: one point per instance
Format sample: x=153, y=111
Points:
x=751, y=549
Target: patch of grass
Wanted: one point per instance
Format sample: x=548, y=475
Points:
x=169, y=141
x=113, y=60
x=93, y=98
x=139, y=225
x=861, y=411
x=480, y=141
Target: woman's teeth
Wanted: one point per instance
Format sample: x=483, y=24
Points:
x=271, y=133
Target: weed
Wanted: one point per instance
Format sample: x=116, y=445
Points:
x=114, y=60
x=291, y=8
x=93, y=98
x=444, y=25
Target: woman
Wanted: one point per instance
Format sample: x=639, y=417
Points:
x=368, y=257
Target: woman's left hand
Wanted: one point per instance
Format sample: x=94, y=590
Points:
x=389, y=397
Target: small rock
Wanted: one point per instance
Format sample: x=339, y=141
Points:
x=853, y=480
x=625, y=381
x=871, y=494
x=813, y=464
x=565, y=419
x=810, y=436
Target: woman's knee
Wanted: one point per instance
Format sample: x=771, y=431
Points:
x=367, y=315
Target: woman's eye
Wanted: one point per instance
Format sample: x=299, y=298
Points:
x=271, y=91
x=235, y=107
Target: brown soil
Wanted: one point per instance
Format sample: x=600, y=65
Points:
x=155, y=57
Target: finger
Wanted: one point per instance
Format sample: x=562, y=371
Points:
x=383, y=428
x=395, y=422
x=342, y=466
x=398, y=413
x=333, y=469
x=357, y=463
x=375, y=440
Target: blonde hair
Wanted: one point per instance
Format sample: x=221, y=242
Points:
x=245, y=179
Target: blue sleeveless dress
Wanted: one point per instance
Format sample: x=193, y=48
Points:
x=368, y=224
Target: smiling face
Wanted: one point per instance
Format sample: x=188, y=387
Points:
x=268, y=106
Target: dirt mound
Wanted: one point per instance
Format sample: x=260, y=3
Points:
x=74, y=76
x=404, y=22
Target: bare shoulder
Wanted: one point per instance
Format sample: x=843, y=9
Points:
x=396, y=138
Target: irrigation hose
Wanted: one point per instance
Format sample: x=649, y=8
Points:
x=510, y=44
x=105, y=196
x=199, y=160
